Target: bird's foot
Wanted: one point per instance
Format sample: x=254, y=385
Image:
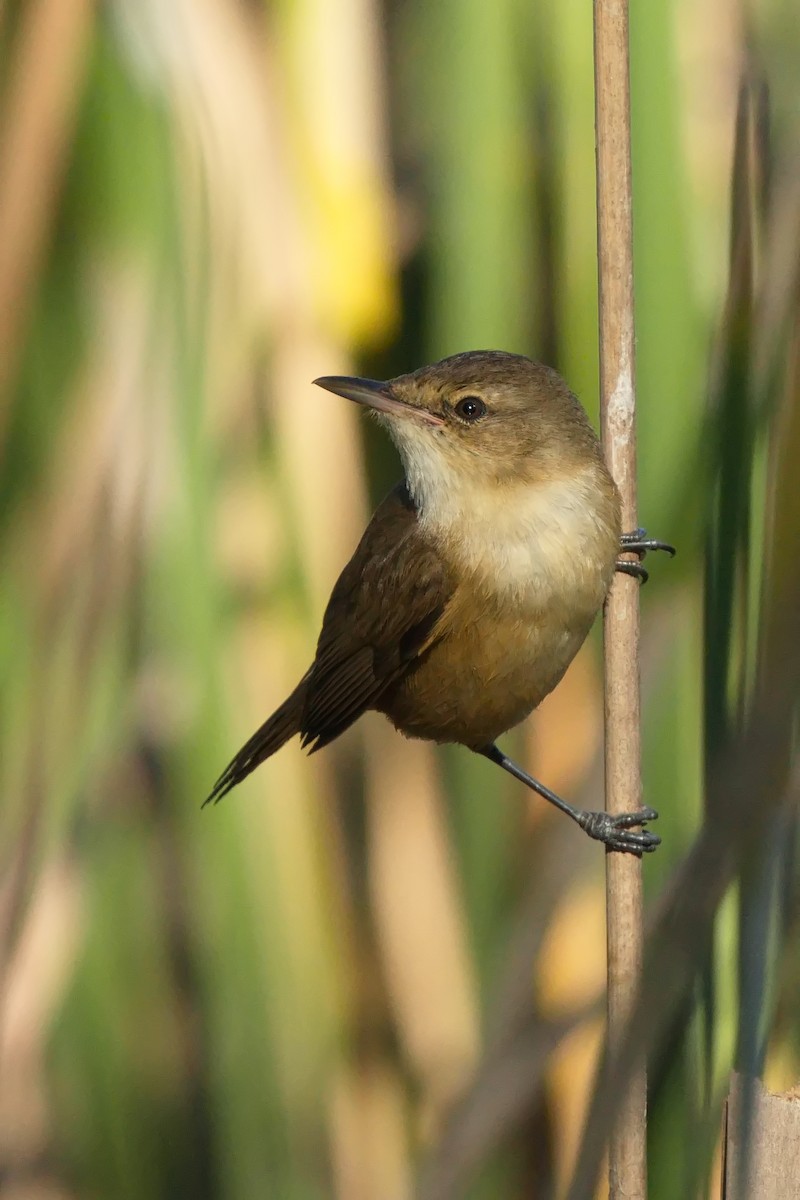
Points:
x=637, y=542
x=636, y=569
x=617, y=832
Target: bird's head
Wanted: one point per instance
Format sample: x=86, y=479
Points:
x=477, y=420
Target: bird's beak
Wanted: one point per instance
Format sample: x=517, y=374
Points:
x=375, y=395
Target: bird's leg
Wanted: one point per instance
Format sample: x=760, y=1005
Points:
x=615, y=830
x=637, y=542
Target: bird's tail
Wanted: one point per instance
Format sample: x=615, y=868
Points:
x=277, y=729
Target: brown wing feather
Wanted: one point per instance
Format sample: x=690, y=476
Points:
x=381, y=616
x=277, y=729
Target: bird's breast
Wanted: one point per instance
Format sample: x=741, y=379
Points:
x=538, y=547
x=531, y=576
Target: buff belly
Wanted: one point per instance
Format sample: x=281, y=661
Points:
x=473, y=687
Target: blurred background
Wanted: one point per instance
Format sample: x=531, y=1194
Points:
x=373, y=974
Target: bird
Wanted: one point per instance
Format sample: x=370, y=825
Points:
x=477, y=578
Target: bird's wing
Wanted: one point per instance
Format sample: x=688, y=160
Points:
x=382, y=615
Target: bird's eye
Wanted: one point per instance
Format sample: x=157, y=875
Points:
x=470, y=408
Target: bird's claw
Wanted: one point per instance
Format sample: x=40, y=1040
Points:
x=637, y=542
x=617, y=832
x=636, y=569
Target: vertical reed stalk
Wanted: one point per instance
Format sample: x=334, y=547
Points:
x=628, y=1145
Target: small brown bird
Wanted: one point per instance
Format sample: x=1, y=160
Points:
x=478, y=577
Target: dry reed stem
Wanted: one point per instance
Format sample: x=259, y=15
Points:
x=628, y=1143
x=39, y=111
x=762, y=1142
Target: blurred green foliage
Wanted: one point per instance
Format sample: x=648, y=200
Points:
x=232, y=1003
